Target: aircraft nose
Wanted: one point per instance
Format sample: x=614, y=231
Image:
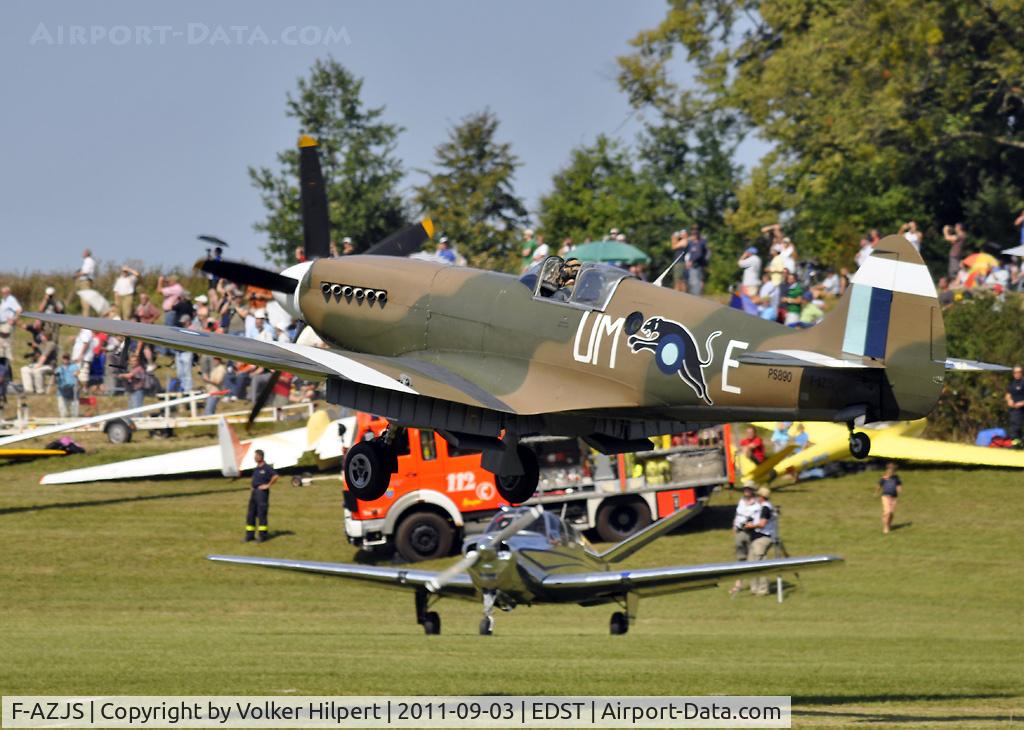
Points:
x=290, y=301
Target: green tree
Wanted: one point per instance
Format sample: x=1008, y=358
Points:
x=602, y=187
x=361, y=172
x=983, y=328
x=688, y=153
x=878, y=111
x=471, y=195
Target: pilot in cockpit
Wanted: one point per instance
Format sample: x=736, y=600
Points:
x=567, y=279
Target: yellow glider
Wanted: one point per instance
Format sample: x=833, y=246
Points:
x=830, y=442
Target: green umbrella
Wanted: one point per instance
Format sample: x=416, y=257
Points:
x=616, y=251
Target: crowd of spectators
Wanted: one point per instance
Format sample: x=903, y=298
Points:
x=71, y=366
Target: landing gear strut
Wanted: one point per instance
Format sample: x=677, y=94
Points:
x=487, y=622
x=429, y=620
x=621, y=619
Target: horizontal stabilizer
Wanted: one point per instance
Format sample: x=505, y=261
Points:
x=974, y=366
x=803, y=359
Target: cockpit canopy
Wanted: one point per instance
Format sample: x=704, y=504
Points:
x=547, y=525
x=594, y=287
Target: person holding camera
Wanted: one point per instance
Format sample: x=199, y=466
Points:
x=747, y=510
x=764, y=531
x=957, y=238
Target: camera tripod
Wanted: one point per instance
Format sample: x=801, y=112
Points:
x=779, y=551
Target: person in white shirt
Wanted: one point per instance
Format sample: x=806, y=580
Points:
x=750, y=262
x=910, y=232
x=124, y=292
x=265, y=331
x=85, y=276
x=747, y=511
x=10, y=310
x=768, y=298
x=866, y=249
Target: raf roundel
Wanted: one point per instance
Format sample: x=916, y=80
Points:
x=671, y=353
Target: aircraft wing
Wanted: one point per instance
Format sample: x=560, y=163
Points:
x=312, y=362
x=458, y=586
x=944, y=452
x=586, y=587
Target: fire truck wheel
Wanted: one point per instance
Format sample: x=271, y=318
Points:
x=431, y=623
x=424, y=535
x=367, y=474
x=518, y=489
x=618, y=519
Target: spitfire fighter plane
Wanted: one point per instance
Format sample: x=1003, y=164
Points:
x=529, y=556
x=486, y=358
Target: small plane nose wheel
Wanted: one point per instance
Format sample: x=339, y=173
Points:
x=487, y=622
x=860, y=445
x=619, y=623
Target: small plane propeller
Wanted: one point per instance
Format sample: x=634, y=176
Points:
x=487, y=547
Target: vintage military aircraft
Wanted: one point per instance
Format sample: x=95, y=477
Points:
x=486, y=358
x=529, y=556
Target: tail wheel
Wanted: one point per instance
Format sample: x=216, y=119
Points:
x=619, y=623
x=486, y=626
x=424, y=535
x=620, y=518
x=367, y=471
x=860, y=445
x=431, y=623
x=518, y=489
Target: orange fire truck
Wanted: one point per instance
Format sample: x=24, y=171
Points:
x=439, y=493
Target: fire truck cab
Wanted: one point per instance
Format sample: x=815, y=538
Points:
x=439, y=494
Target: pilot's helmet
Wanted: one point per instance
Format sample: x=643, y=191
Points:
x=570, y=268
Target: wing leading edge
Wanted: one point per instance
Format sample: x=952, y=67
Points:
x=460, y=586
x=659, y=581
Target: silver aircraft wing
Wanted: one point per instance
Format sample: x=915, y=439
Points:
x=312, y=362
x=460, y=586
x=659, y=581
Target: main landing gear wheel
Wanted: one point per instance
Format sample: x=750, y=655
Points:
x=619, y=624
x=518, y=489
x=431, y=623
x=486, y=626
x=860, y=445
x=367, y=470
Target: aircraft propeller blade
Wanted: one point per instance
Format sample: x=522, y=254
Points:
x=316, y=222
x=262, y=397
x=214, y=240
x=406, y=241
x=445, y=577
x=486, y=545
x=247, y=274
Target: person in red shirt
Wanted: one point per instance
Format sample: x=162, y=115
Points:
x=753, y=446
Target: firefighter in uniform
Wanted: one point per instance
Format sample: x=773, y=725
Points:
x=263, y=477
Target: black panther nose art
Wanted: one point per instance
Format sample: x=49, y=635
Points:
x=676, y=351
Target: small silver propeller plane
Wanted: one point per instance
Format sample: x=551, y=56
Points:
x=529, y=556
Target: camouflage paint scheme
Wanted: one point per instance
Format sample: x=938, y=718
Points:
x=478, y=353
x=483, y=339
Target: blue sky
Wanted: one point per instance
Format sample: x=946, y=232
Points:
x=134, y=148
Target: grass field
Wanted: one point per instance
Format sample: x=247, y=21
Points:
x=105, y=591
